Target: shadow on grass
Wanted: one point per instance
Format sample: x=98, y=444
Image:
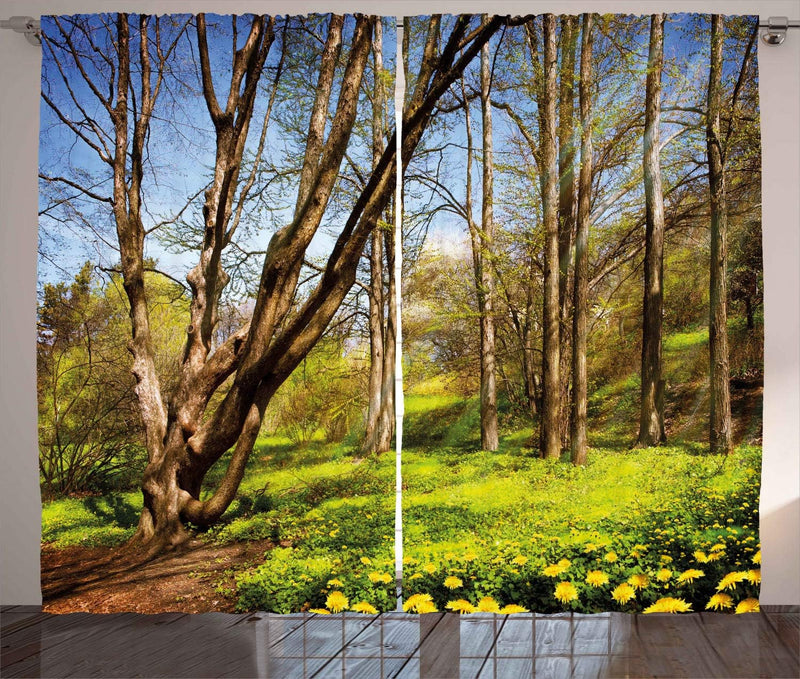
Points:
x=113, y=509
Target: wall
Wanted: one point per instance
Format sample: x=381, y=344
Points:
x=19, y=112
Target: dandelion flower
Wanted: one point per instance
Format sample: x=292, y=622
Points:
x=719, y=601
x=470, y=556
x=748, y=606
x=336, y=602
x=664, y=575
x=335, y=582
x=553, y=571
x=730, y=580
x=714, y=556
x=665, y=558
x=623, y=593
x=379, y=577
x=700, y=556
x=596, y=578
x=319, y=611
x=512, y=608
x=366, y=560
x=452, y=582
x=690, y=575
x=757, y=557
x=520, y=560
x=415, y=600
x=364, y=607
x=460, y=606
x=754, y=576
x=669, y=605
x=639, y=580
x=426, y=607
x=429, y=568
x=590, y=547
x=611, y=557
x=565, y=592
x=718, y=547
x=564, y=564
x=488, y=605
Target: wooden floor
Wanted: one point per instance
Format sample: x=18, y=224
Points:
x=399, y=645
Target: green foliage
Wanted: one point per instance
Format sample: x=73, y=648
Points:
x=91, y=521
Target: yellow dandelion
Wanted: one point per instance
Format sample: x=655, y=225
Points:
x=730, y=580
x=366, y=560
x=714, y=556
x=520, y=560
x=415, y=600
x=719, y=601
x=452, y=582
x=364, y=607
x=669, y=605
x=429, y=568
x=700, y=556
x=639, y=580
x=416, y=576
x=757, y=557
x=335, y=582
x=754, y=576
x=488, y=605
x=690, y=575
x=376, y=577
x=596, y=578
x=611, y=557
x=336, y=602
x=460, y=606
x=665, y=558
x=664, y=575
x=590, y=547
x=718, y=547
x=564, y=564
x=512, y=608
x=748, y=606
x=426, y=607
x=553, y=571
x=470, y=556
x=623, y=593
x=565, y=592
x=319, y=611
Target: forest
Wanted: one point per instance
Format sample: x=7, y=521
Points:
x=581, y=312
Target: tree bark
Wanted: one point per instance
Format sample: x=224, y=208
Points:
x=651, y=420
x=486, y=283
x=551, y=382
x=376, y=298
x=566, y=208
x=720, y=434
x=578, y=439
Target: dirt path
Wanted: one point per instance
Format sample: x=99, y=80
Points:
x=104, y=580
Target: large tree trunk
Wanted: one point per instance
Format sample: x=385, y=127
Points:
x=581, y=282
x=651, y=420
x=551, y=382
x=386, y=420
x=566, y=207
x=720, y=434
x=486, y=283
x=376, y=297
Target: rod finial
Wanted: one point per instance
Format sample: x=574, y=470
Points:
x=28, y=26
x=775, y=32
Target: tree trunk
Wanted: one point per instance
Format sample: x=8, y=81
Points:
x=489, y=433
x=385, y=430
x=566, y=208
x=720, y=435
x=551, y=400
x=376, y=301
x=581, y=281
x=651, y=420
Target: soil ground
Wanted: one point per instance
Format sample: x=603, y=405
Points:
x=106, y=580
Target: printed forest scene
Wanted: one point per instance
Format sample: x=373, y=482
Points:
x=577, y=274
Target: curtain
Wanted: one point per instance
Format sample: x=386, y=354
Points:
x=528, y=381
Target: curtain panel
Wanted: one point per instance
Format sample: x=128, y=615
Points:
x=529, y=380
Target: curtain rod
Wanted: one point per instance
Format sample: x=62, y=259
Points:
x=774, y=33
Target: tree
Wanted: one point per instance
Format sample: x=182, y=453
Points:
x=581, y=281
x=184, y=438
x=651, y=419
x=720, y=432
x=551, y=389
